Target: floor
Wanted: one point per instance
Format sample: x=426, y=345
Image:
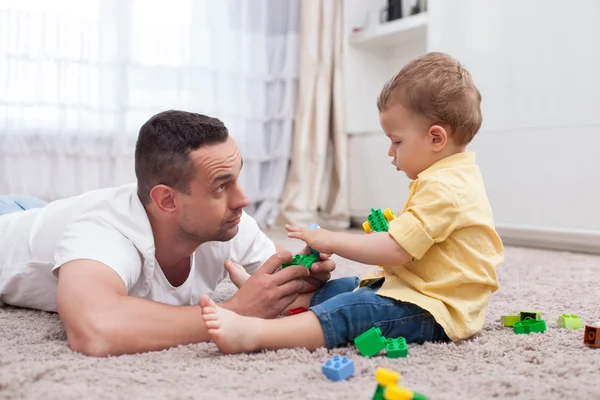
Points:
x=35, y=361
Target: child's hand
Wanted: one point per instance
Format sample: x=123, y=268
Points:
x=318, y=239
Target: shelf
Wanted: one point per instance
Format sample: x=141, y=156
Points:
x=392, y=33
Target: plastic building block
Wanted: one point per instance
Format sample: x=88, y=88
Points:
x=385, y=377
x=570, y=321
x=306, y=260
x=529, y=326
x=378, y=220
x=393, y=392
x=297, y=310
x=396, y=347
x=311, y=227
x=419, y=396
x=509, y=320
x=370, y=342
x=338, y=368
x=591, y=336
x=525, y=315
x=378, y=395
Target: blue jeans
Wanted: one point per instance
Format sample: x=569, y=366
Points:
x=10, y=204
x=345, y=314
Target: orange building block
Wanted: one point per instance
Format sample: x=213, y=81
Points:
x=591, y=336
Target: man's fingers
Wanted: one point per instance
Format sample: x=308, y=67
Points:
x=289, y=274
x=322, y=276
x=291, y=287
x=323, y=266
x=274, y=262
x=286, y=301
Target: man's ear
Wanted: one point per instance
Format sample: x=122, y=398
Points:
x=164, y=198
x=438, y=137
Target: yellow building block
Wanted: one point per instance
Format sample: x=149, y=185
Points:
x=394, y=392
x=386, y=377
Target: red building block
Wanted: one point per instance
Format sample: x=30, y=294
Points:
x=297, y=310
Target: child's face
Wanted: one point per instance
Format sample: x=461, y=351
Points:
x=412, y=148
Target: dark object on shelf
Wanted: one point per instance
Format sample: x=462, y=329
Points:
x=419, y=6
x=394, y=10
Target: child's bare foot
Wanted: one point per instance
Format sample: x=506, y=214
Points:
x=237, y=273
x=232, y=333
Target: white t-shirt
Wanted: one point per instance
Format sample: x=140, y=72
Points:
x=110, y=226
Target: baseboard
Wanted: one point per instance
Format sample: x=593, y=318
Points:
x=584, y=241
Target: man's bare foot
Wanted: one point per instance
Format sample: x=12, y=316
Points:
x=232, y=333
x=237, y=273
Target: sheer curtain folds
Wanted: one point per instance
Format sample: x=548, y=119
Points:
x=79, y=77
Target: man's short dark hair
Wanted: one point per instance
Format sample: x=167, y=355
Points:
x=163, y=147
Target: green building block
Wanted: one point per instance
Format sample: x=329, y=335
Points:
x=306, y=260
x=570, y=321
x=396, y=347
x=419, y=396
x=370, y=342
x=525, y=315
x=529, y=326
x=509, y=320
x=377, y=221
x=378, y=395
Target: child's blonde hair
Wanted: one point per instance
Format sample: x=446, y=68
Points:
x=438, y=87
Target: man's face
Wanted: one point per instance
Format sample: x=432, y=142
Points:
x=212, y=209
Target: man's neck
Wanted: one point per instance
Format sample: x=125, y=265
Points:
x=171, y=248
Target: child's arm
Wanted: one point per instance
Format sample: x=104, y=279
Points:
x=377, y=248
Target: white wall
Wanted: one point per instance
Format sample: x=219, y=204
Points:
x=537, y=64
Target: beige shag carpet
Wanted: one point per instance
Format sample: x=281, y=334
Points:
x=35, y=362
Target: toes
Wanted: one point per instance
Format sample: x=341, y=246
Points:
x=210, y=317
x=206, y=301
x=209, y=310
x=216, y=324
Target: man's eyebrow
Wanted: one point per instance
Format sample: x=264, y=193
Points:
x=224, y=177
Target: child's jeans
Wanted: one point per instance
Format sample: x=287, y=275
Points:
x=10, y=204
x=344, y=314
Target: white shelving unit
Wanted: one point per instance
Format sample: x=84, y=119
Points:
x=391, y=34
x=371, y=57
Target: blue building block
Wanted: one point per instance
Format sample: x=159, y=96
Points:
x=311, y=227
x=338, y=368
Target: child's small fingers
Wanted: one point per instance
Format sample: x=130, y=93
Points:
x=291, y=228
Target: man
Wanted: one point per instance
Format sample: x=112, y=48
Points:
x=125, y=267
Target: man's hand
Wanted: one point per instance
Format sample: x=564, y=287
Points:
x=320, y=272
x=268, y=291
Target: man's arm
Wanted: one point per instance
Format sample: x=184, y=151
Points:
x=101, y=320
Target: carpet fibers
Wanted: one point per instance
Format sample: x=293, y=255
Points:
x=35, y=362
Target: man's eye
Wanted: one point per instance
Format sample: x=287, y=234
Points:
x=220, y=188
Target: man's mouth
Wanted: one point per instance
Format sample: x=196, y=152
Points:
x=234, y=219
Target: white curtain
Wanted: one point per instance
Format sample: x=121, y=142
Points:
x=79, y=77
x=317, y=188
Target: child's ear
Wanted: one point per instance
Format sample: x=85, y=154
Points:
x=438, y=137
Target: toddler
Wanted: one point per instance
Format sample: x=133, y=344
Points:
x=437, y=263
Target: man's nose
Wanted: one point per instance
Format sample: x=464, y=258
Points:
x=239, y=199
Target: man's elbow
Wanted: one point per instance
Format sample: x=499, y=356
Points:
x=90, y=341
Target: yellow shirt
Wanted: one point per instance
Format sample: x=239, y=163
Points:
x=447, y=227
